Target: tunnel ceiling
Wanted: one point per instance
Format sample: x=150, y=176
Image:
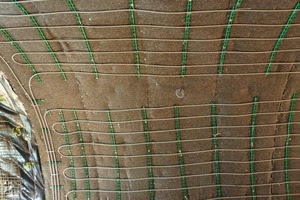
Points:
x=172, y=99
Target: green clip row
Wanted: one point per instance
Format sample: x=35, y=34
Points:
x=252, y=147
x=113, y=138
x=227, y=35
x=186, y=37
x=85, y=165
x=287, y=146
x=282, y=35
x=181, y=161
x=149, y=159
x=135, y=43
x=69, y=153
x=8, y=36
x=41, y=33
x=216, y=152
x=87, y=44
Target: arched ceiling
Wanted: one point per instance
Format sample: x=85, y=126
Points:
x=203, y=70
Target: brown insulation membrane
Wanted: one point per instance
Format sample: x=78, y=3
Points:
x=159, y=99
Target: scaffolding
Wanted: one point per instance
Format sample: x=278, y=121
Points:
x=10, y=181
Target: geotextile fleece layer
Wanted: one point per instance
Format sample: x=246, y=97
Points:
x=159, y=99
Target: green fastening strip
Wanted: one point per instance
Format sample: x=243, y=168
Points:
x=113, y=138
x=85, y=165
x=61, y=114
x=49, y=112
x=181, y=161
x=58, y=186
x=149, y=159
x=46, y=129
x=34, y=101
x=87, y=44
x=41, y=33
x=282, y=35
x=216, y=152
x=55, y=162
x=135, y=43
x=227, y=35
x=186, y=37
x=8, y=36
x=252, y=148
x=287, y=144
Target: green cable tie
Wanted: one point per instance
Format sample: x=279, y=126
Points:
x=49, y=112
x=58, y=186
x=36, y=101
x=55, y=162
